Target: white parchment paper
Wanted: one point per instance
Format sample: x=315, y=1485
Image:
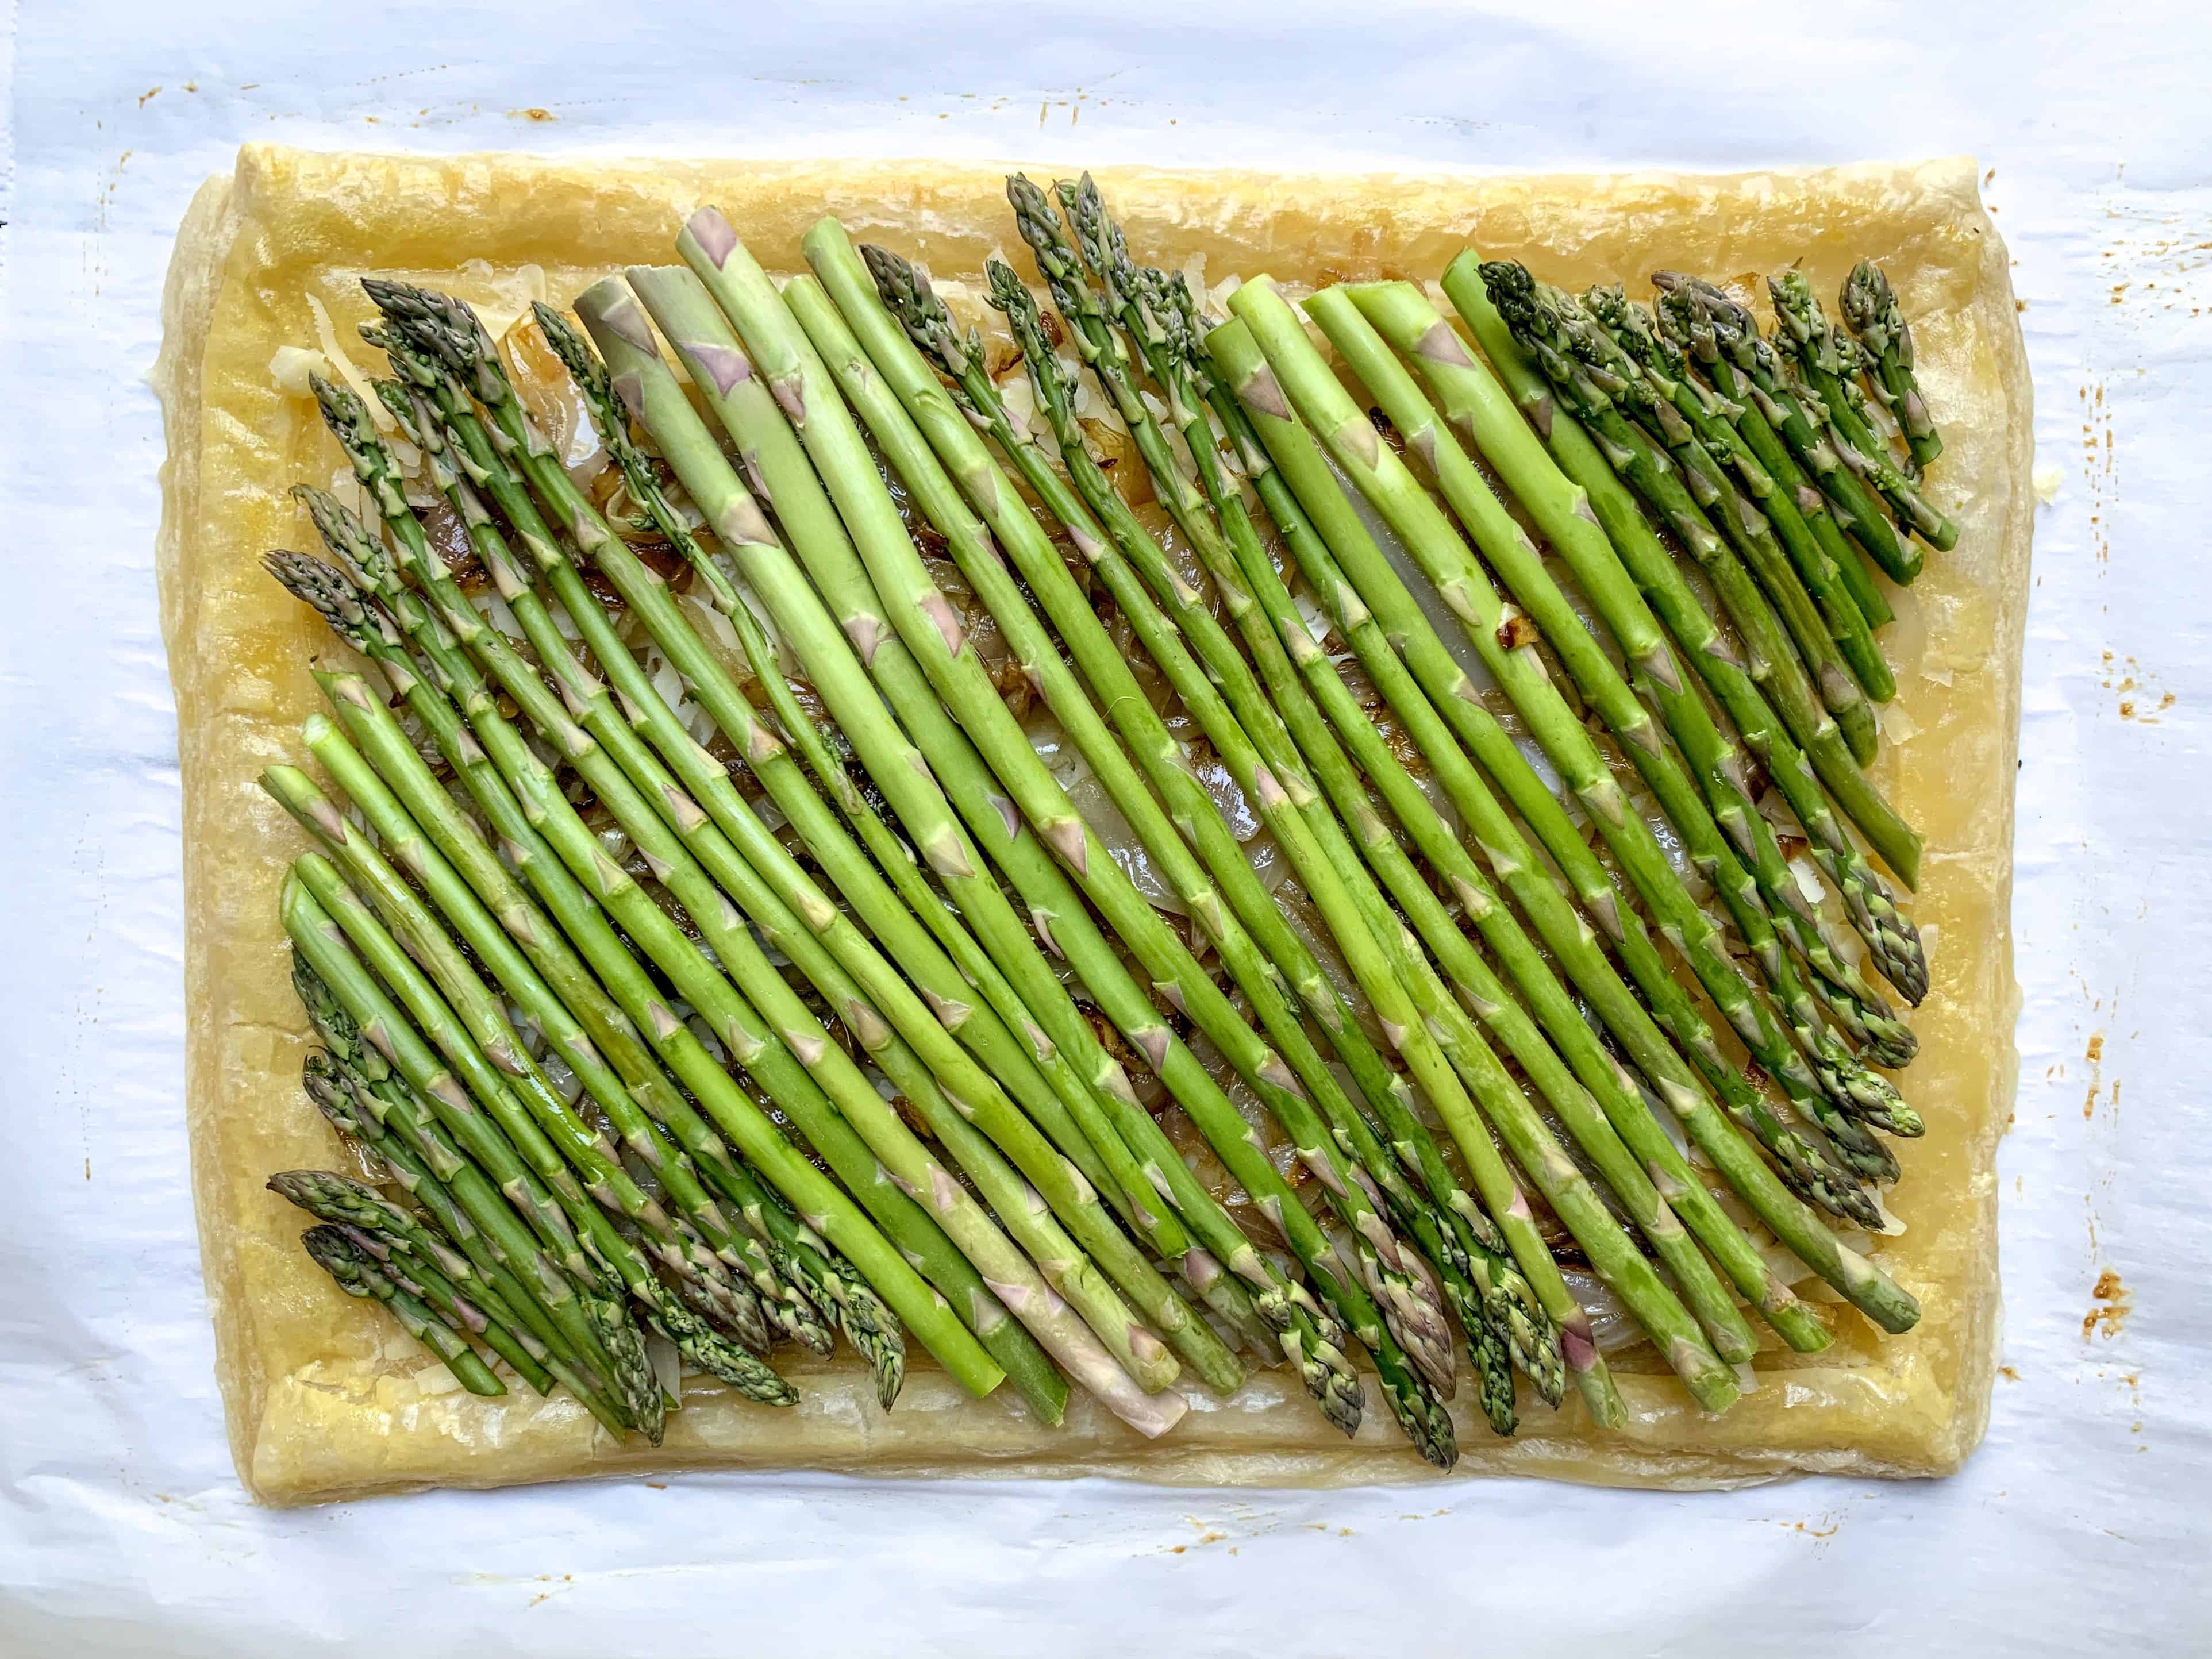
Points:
x=122, y=1528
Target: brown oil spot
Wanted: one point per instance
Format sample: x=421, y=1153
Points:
x=1178, y=1549
x=2109, y=1317
x=2008, y=1373
x=533, y=114
x=2096, y=1047
x=151, y=92
x=658, y=1486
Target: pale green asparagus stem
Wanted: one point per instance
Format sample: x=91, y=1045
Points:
x=1683, y=321
x=606, y=1034
x=1808, y=579
x=831, y=946
x=1510, y=657
x=357, y=1090
x=740, y=399
x=827, y=1211
x=920, y=616
x=450, y=330
x=436, y=1271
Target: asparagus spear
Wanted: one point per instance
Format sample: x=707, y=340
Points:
x=1850, y=1090
x=1375, y=588
x=1352, y=442
x=357, y=1091
x=1408, y=1295
x=1765, y=382
x=945, y=969
x=808, y=1069
x=829, y=1213
x=358, y=1274
x=593, y=1323
x=1439, y=1019
x=1577, y=517
x=441, y=1275
x=623, y=1265
x=1457, y=1232
x=1561, y=1019
x=1888, y=934
x=1869, y=306
x=1683, y=322
x=346, y=1101
x=1311, y=1337
x=1867, y=902
x=729, y=1303
x=1788, y=507
x=933, y=490
x=1829, y=363
x=1749, y=513
x=774, y=1258
x=1716, y=761
x=1195, y=811
x=1291, y=458
x=802, y=385
x=706, y=988
x=977, y=1094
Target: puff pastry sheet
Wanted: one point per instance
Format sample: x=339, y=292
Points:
x=328, y=1400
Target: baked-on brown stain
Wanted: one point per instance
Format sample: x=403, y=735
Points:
x=2109, y=1317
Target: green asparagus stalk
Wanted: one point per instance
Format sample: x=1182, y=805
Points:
x=728, y=1301
x=1731, y=487
x=1561, y=1019
x=1766, y=381
x=345, y=1099
x=1682, y=322
x=1828, y=361
x=1456, y=1231
x=592, y=1323
x=801, y=384
x=1327, y=872
x=1850, y=1091
x=829, y=1213
x=1308, y=1336
x=1715, y=760
x=1813, y=573
x=957, y=1077
x=1869, y=306
x=949, y=981
x=622, y=1263
x=1375, y=589
x=447, y=329
x=359, y=1275
x=796, y=1031
x=1351, y=441
x=606, y=1036
x=1409, y=1296
x=1575, y=513
x=1195, y=810
x=1870, y=907
x=1294, y=480
x=1866, y=898
x=873, y=391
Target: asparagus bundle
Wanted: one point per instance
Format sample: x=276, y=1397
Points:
x=537, y=938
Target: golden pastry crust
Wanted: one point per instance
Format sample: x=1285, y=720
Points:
x=326, y=1399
